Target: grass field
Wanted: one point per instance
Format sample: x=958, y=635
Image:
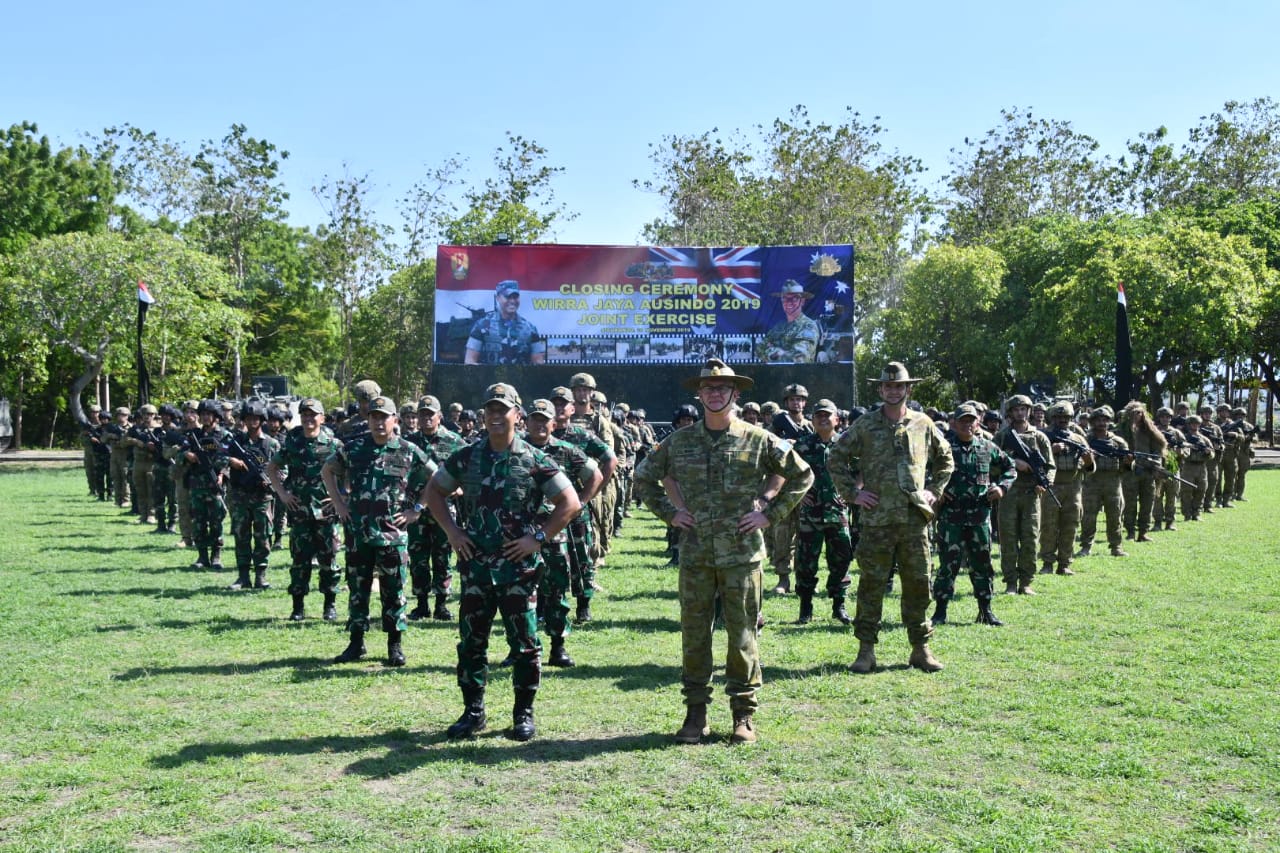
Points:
x=1132, y=707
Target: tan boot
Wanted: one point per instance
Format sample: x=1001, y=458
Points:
x=744, y=730
x=866, y=660
x=695, y=726
x=922, y=658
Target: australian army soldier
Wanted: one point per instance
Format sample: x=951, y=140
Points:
x=504, y=483
x=206, y=474
x=313, y=531
x=822, y=519
x=1020, y=508
x=722, y=482
x=983, y=473
x=141, y=442
x=1139, y=482
x=1213, y=433
x=1060, y=521
x=428, y=546
x=789, y=424
x=894, y=465
x=386, y=478
x=1102, y=489
x=1168, y=488
x=588, y=415
x=1195, y=469
x=113, y=436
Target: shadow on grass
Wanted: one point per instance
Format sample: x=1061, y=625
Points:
x=305, y=669
x=407, y=751
x=156, y=592
x=666, y=594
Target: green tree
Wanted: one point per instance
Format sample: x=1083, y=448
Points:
x=393, y=331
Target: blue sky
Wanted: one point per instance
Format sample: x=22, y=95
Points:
x=393, y=89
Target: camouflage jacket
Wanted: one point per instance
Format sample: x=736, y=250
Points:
x=897, y=461
x=303, y=458
x=577, y=465
x=598, y=423
x=440, y=445
x=211, y=457
x=1103, y=463
x=720, y=475
x=502, y=498
x=590, y=443
x=502, y=341
x=383, y=481
x=1035, y=440
x=828, y=507
x=144, y=446
x=113, y=437
x=1199, y=448
x=795, y=341
x=979, y=466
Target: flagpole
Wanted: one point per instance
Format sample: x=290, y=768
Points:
x=1124, y=349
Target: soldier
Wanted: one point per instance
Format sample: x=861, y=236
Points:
x=502, y=336
x=356, y=425
x=408, y=419
x=1102, y=489
x=428, y=546
x=113, y=436
x=451, y=421
x=248, y=453
x=1244, y=448
x=90, y=440
x=504, y=484
x=1167, y=488
x=796, y=339
x=101, y=454
x=686, y=415
x=558, y=553
x=586, y=414
x=894, y=465
x=983, y=473
x=206, y=472
x=1195, y=469
x=1213, y=470
x=722, y=482
x=177, y=451
x=1020, y=507
x=164, y=496
x=387, y=480
x=751, y=413
x=313, y=534
x=1139, y=482
x=1181, y=412
x=1037, y=416
x=822, y=518
x=1072, y=460
x=140, y=442
x=277, y=423
x=790, y=424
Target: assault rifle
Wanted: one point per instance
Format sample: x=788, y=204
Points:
x=1154, y=462
x=1036, y=460
x=204, y=460
x=251, y=461
x=1067, y=437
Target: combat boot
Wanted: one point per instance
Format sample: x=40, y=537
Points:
x=806, y=609
x=202, y=561
x=1065, y=569
x=422, y=611
x=838, y=612
x=260, y=578
x=985, y=616
x=472, y=721
x=298, y=613
x=1118, y=552
x=354, y=650
x=695, y=727
x=940, y=611
x=1144, y=537
x=1011, y=588
x=584, y=609
x=441, y=612
x=866, y=660
x=1025, y=589
x=395, y=654
x=1169, y=527
x=1085, y=551
x=744, y=729
x=1047, y=568
x=922, y=658
x=242, y=581
x=330, y=611
x=784, y=584
x=215, y=558
x=1155, y=526
x=558, y=656
x=522, y=728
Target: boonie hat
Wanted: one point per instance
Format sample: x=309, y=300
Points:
x=717, y=369
x=895, y=371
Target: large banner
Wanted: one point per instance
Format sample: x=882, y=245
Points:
x=548, y=304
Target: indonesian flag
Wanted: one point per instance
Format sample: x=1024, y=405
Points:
x=144, y=295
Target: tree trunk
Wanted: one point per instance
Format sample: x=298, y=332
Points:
x=17, y=414
x=93, y=369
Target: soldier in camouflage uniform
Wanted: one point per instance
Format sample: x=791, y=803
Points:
x=164, y=497
x=277, y=419
x=502, y=336
x=1072, y=460
x=141, y=442
x=789, y=424
x=1244, y=448
x=1020, y=507
x=386, y=480
x=751, y=413
x=796, y=339
x=894, y=465
x=1167, y=488
x=207, y=466
x=722, y=482
x=101, y=454
x=822, y=518
x=983, y=473
x=1213, y=470
x=113, y=436
x=1139, y=482
x=313, y=533
x=429, y=551
x=1195, y=469
x=176, y=451
x=687, y=415
x=625, y=473
x=558, y=553
x=357, y=425
x=504, y=483
x=587, y=414
x=250, y=496
x=89, y=438
x=1102, y=489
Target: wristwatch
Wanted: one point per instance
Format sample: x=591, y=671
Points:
x=418, y=508
x=540, y=536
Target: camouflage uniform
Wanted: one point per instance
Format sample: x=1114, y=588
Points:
x=249, y=500
x=1195, y=469
x=165, y=495
x=500, y=341
x=313, y=529
x=795, y=341
x=582, y=529
x=1213, y=469
x=782, y=536
x=964, y=515
x=1020, y=511
x=1230, y=461
x=1059, y=525
x=602, y=504
x=720, y=476
x=1102, y=490
x=1139, y=482
x=101, y=461
x=207, y=508
x=824, y=521
x=1244, y=448
x=113, y=435
x=141, y=442
x=1167, y=488
x=429, y=551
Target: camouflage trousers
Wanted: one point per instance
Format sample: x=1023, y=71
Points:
x=781, y=539
x=251, y=527
x=120, y=477
x=390, y=564
x=739, y=589
x=1193, y=497
x=480, y=601
x=1213, y=483
x=313, y=539
x=601, y=508
x=1243, y=464
x=1019, y=534
x=182, y=496
x=903, y=546
x=1102, y=492
x=1167, y=491
x=429, y=554
x=164, y=498
x=89, y=464
x=624, y=481
x=101, y=475
x=960, y=545
x=809, y=541
x=553, y=588
x=142, y=488
x=1139, y=501
x=1058, y=526
x=207, y=514
x=582, y=569
x=1230, y=465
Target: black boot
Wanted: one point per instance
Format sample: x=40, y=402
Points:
x=584, y=609
x=215, y=558
x=298, y=615
x=441, y=612
x=260, y=578
x=985, y=616
x=330, y=611
x=558, y=656
x=422, y=611
x=472, y=721
x=202, y=561
x=242, y=582
x=838, y=612
x=522, y=728
x=940, y=611
x=395, y=654
x=806, y=609
x=354, y=650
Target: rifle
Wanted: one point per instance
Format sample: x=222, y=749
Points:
x=1067, y=437
x=202, y=457
x=1037, y=462
x=1154, y=463
x=1106, y=448
x=251, y=461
